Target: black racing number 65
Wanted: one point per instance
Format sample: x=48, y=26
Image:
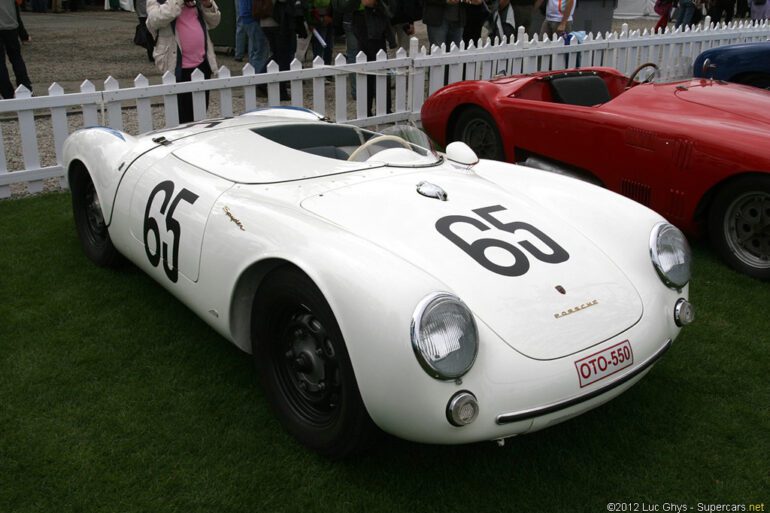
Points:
x=172, y=225
x=476, y=249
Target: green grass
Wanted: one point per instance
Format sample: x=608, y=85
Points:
x=114, y=397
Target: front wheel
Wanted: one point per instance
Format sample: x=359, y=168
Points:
x=305, y=368
x=89, y=221
x=739, y=225
x=476, y=128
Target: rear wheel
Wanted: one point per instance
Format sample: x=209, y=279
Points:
x=89, y=221
x=739, y=225
x=476, y=128
x=305, y=368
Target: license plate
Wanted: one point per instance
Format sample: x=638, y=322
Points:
x=604, y=363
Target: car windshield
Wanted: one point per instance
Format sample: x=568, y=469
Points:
x=398, y=145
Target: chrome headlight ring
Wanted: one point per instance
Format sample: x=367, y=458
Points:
x=444, y=336
x=670, y=254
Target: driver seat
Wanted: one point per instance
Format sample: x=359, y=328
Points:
x=584, y=90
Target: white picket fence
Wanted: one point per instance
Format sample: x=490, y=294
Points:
x=414, y=75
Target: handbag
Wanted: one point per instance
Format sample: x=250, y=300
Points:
x=261, y=9
x=140, y=35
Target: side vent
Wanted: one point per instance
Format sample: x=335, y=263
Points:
x=638, y=192
x=682, y=154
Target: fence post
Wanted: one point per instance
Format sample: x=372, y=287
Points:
x=296, y=85
x=381, y=89
x=436, y=80
x=28, y=132
x=114, y=111
x=143, y=106
x=249, y=91
x=5, y=190
x=90, y=111
x=59, y=126
x=225, y=95
x=273, y=86
x=470, y=66
x=319, y=91
x=198, y=97
x=416, y=79
x=401, y=91
x=362, y=89
x=169, y=102
x=340, y=91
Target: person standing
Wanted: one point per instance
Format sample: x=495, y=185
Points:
x=760, y=10
x=183, y=43
x=281, y=31
x=404, y=15
x=475, y=18
x=522, y=13
x=257, y=45
x=10, y=44
x=370, y=22
x=686, y=11
x=321, y=23
x=742, y=8
x=241, y=39
x=445, y=20
x=720, y=6
x=558, y=17
x=503, y=21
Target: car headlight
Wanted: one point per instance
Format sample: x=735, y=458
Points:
x=444, y=336
x=670, y=255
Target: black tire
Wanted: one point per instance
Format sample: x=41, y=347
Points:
x=739, y=225
x=89, y=221
x=476, y=128
x=304, y=366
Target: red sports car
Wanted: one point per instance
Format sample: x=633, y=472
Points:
x=696, y=151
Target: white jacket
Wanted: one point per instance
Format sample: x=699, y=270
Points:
x=160, y=14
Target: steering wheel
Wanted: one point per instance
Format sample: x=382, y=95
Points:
x=638, y=70
x=378, y=139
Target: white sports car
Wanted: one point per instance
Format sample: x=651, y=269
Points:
x=376, y=282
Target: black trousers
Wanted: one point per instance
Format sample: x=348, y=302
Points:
x=184, y=101
x=370, y=46
x=9, y=43
x=283, y=46
x=728, y=6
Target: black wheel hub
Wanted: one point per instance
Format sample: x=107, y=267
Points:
x=481, y=137
x=747, y=227
x=94, y=212
x=308, y=369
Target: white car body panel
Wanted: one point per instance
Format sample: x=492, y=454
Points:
x=399, y=219
x=369, y=242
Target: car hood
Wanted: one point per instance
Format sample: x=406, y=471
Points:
x=549, y=311
x=741, y=101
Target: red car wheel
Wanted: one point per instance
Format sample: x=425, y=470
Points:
x=739, y=225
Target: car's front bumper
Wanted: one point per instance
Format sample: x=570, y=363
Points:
x=630, y=374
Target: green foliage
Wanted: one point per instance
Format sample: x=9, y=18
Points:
x=114, y=397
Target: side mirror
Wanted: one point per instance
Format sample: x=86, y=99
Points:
x=460, y=153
